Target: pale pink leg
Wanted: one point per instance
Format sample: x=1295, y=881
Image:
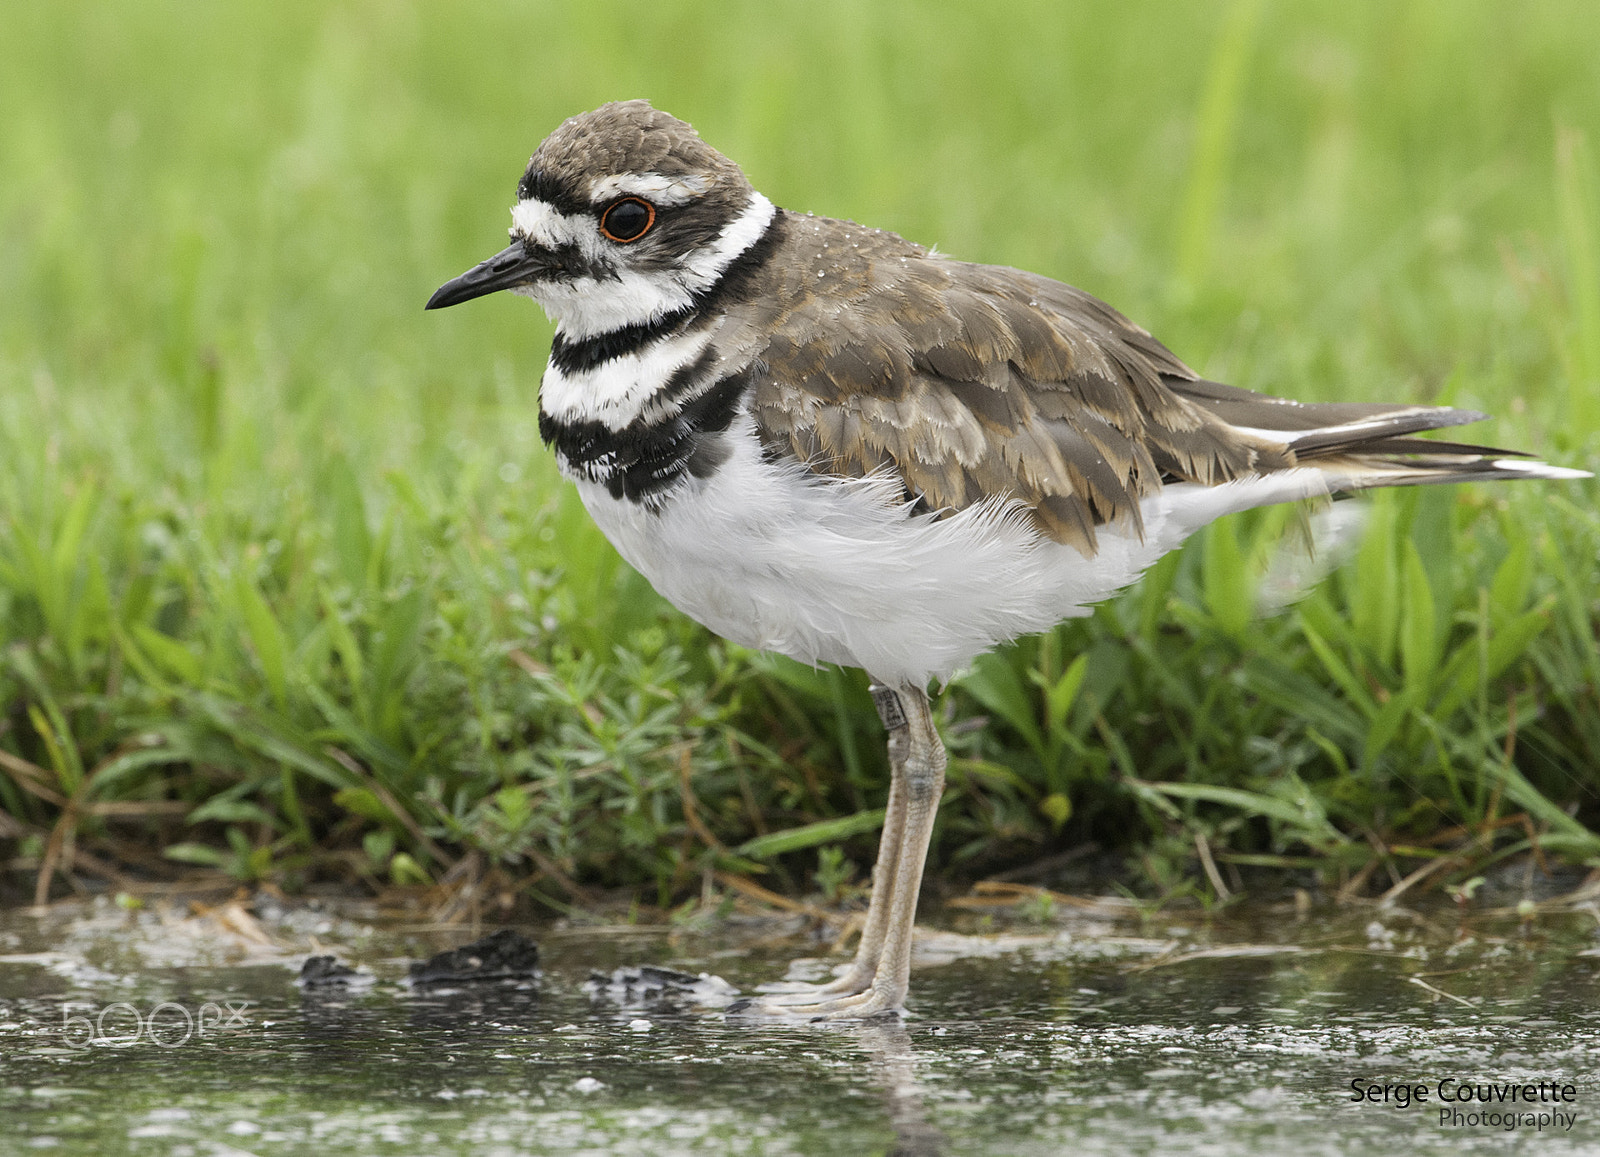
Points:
x=921, y=780
x=858, y=977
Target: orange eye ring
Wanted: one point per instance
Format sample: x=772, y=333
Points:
x=621, y=222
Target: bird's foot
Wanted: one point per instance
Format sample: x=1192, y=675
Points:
x=872, y=1002
x=856, y=979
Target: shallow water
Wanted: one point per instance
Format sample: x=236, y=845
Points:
x=1091, y=1034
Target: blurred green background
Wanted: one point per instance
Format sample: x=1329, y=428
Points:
x=289, y=589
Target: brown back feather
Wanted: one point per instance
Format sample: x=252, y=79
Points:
x=971, y=381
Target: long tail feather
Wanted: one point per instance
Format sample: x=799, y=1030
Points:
x=1359, y=446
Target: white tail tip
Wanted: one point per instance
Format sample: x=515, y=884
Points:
x=1539, y=469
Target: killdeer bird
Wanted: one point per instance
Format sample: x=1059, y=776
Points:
x=824, y=440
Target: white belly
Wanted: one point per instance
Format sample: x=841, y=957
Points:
x=839, y=571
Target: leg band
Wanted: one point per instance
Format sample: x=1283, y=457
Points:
x=887, y=701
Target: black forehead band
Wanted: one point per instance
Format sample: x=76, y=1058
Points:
x=539, y=185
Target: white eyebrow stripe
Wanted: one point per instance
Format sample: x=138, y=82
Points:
x=656, y=187
x=704, y=266
x=540, y=221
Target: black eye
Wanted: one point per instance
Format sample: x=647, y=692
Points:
x=628, y=219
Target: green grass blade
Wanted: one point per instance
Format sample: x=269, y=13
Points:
x=1229, y=591
x=1419, y=641
x=810, y=835
x=1214, y=132
x=1577, y=192
x=266, y=637
x=993, y=682
x=1304, y=817
x=168, y=653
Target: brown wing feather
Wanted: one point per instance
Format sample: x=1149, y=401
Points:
x=970, y=381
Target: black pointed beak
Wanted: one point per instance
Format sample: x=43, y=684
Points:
x=517, y=264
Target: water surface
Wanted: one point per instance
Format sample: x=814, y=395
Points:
x=1094, y=1033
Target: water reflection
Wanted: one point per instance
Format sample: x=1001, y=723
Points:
x=892, y=1067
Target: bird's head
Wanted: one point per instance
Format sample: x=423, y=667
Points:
x=622, y=216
